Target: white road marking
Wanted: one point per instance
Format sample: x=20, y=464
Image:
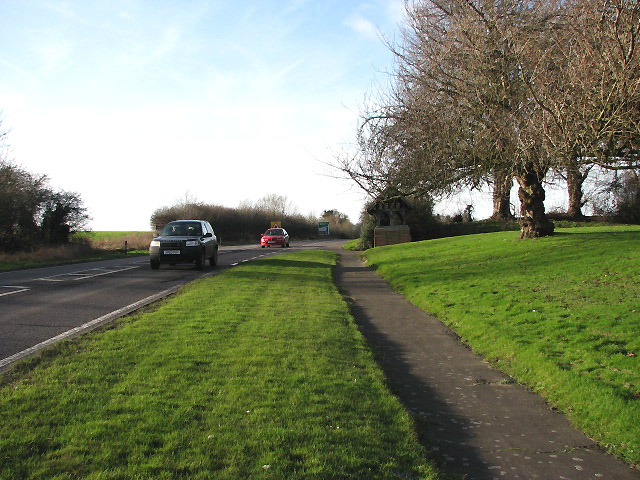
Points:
x=16, y=290
x=83, y=274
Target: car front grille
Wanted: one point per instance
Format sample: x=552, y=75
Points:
x=175, y=244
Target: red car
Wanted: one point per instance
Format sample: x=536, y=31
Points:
x=273, y=237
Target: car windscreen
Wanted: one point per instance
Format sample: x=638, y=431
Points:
x=182, y=229
x=275, y=232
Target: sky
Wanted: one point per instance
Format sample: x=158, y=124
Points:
x=137, y=105
x=140, y=104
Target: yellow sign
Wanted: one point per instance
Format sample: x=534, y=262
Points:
x=276, y=224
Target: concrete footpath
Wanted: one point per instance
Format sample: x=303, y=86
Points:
x=480, y=424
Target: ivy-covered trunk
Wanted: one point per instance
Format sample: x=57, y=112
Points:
x=533, y=222
x=575, y=180
x=502, y=184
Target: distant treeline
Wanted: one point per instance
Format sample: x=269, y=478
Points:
x=246, y=223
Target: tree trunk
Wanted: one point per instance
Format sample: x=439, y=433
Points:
x=575, y=179
x=534, y=222
x=502, y=184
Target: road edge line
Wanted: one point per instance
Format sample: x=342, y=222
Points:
x=86, y=327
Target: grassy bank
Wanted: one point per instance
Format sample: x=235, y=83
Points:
x=257, y=372
x=560, y=314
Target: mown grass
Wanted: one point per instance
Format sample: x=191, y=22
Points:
x=560, y=314
x=257, y=372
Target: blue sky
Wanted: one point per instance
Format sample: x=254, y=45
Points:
x=135, y=104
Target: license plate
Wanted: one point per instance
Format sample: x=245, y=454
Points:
x=171, y=252
x=271, y=241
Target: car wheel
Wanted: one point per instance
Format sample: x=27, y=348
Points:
x=200, y=261
x=262, y=246
x=214, y=260
x=155, y=265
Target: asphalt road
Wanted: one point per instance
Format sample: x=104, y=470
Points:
x=39, y=306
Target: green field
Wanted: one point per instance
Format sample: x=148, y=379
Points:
x=114, y=240
x=257, y=372
x=560, y=314
x=111, y=235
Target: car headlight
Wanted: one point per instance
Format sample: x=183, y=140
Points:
x=192, y=243
x=155, y=243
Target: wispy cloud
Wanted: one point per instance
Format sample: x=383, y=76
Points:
x=295, y=5
x=63, y=9
x=284, y=71
x=395, y=10
x=54, y=55
x=362, y=26
x=21, y=71
x=169, y=39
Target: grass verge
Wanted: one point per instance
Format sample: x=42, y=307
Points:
x=353, y=245
x=561, y=314
x=258, y=372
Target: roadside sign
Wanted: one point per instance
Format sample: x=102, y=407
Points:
x=276, y=224
x=323, y=228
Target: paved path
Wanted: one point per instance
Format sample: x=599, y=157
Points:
x=480, y=424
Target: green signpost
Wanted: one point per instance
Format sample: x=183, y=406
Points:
x=323, y=228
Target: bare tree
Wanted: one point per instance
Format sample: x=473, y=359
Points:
x=276, y=205
x=586, y=82
x=459, y=112
x=498, y=89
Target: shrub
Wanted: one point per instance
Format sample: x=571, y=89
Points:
x=237, y=224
